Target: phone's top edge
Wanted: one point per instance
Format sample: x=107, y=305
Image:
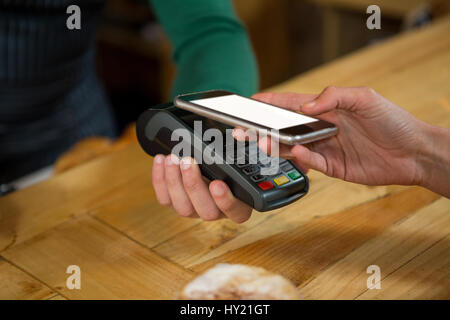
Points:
x=202, y=92
x=225, y=92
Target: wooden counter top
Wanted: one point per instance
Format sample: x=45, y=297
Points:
x=103, y=215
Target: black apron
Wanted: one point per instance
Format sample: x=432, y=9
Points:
x=50, y=96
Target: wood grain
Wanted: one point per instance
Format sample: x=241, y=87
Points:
x=391, y=250
x=16, y=284
x=425, y=277
x=206, y=241
x=72, y=193
x=142, y=218
x=305, y=251
x=112, y=266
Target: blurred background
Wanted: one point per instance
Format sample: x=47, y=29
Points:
x=289, y=37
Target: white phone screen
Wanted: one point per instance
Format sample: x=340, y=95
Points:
x=257, y=112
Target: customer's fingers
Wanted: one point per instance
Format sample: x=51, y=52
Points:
x=285, y=152
x=287, y=100
x=179, y=198
x=331, y=98
x=268, y=146
x=158, y=180
x=302, y=166
x=198, y=191
x=233, y=208
x=304, y=157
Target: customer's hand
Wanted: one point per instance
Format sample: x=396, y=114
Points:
x=180, y=185
x=378, y=143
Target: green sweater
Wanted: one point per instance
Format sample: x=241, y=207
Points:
x=211, y=47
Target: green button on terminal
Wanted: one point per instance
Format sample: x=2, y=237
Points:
x=294, y=175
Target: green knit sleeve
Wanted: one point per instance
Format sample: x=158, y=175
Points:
x=211, y=48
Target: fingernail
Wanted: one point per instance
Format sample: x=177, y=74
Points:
x=172, y=159
x=185, y=163
x=159, y=158
x=218, y=190
x=308, y=106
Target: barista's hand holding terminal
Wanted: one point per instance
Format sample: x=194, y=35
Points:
x=378, y=142
x=180, y=184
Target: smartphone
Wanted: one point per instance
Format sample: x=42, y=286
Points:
x=235, y=110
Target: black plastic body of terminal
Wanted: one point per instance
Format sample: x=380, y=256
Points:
x=154, y=131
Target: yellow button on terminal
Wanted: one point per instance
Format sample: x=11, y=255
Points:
x=281, y=180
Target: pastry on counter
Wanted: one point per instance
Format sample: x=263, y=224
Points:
x=239, y=282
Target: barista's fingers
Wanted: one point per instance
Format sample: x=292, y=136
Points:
x=179, y=198
x=266, y=145
x=197, y=190
x=158, y=180
x=233, y=208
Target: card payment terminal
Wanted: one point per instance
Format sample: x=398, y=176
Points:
x=241, y=173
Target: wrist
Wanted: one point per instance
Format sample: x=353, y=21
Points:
x=433, y=158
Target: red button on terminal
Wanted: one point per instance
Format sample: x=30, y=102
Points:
x=265, y=185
